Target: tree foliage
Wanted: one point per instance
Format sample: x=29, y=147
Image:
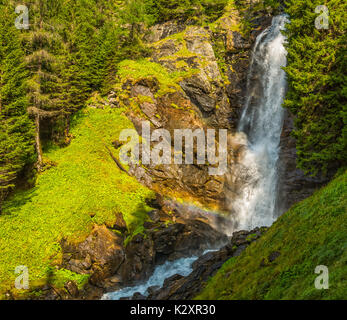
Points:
x=16, y=134
x=317, y=92
x=162, y=10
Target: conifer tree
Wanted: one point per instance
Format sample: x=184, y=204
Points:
x=43, y=47
x=317, y=95
x=16, y=130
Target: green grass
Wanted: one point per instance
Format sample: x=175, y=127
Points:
x=86, y=187
x=313, y=232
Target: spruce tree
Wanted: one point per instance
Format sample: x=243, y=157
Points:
x=16, y=130
x=43, y=48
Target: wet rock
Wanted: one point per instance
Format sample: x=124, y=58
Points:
x=294, y=185
x=165, y=239
x=179, y=240
x=152, y=290
x=182, y=288
x=172, y=279
x=52, y=295
x=139, y=259
x=115, y=279
x=138, y=296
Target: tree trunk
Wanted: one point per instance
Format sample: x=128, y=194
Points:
x=38, y=141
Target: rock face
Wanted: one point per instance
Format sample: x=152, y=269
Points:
x=294, y=186
x=139, y=259
x=166, y=29
x=172, y=235
x=198, y=102
x=212, y=62
x=100, y=255
x=172, y=111
x=178, y=287
x=192, y=50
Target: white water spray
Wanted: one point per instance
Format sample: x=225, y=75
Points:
x=255, y=174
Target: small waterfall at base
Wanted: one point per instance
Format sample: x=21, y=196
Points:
x=255, y=176
x=181, y=266
x=162, y=272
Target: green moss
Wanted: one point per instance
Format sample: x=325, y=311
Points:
x=84, y=188
x=220, y=23
x=130, y=70
x=182, y=53
x=181, y=64
x=143, y=99
x=313, y=232
x=175, y=106
x=61, y=276
x=251, y=237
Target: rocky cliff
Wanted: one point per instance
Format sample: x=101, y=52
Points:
x=195, y=78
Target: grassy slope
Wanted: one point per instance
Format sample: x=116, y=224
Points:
x=85, y=187
x=313, y=232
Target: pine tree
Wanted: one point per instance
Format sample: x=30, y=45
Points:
x=43, y=48
x=16, y=130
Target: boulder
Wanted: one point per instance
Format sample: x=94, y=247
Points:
x=100, y=255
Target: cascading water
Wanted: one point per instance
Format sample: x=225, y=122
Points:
x=182, y=267
x=255, y=175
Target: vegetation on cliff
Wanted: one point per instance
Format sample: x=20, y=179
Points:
x=281, y=264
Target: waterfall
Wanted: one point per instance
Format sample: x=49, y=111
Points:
x=255, y=175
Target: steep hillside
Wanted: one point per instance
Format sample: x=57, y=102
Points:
x=281, y=264
x=82, y=188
